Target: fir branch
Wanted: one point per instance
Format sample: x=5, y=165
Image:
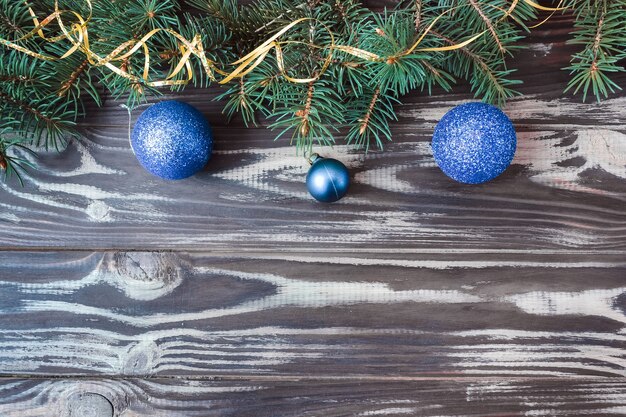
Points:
x=369, y=119
x=11, y=165
x=597, y=29
x=240, y=101
x=309, y=111
x=75, y=79
x=305, y=113
x=489, y=24
x=484, y=79
x=19, y=73
x=153, y=14
x=14, y=79
x=74, y=76
x=10, y=26
x=224, y=10
x=15, y=20
x=436, y=76
x=389, y=36
x=44, y=125
x=418, y=14
x=39, y=102
x=365, y=121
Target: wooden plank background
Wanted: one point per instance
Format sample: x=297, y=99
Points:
x=233, y=293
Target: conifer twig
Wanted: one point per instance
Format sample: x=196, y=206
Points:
x=489, y=25
x=418, y=14
x=40, y=101
x=305, y=113
x=365, y=121
x=74, y=76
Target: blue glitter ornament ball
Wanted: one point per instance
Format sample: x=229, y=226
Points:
x=172, y=140
x=474, y=143
x=328, y=179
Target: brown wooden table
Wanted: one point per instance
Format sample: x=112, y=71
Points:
x=233, y=293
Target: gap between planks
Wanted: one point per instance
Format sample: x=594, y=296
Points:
x=243, y=251
x=318, y=378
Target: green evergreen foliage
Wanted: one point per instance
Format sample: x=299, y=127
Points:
x=600, y=32
x=41, y=101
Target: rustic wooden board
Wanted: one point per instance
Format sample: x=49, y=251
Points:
x=312, y=314
x=233, y=293
x=565, y=189
x=319, y=398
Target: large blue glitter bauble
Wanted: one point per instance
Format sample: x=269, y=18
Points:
x=328, y=179
x=172, y=140
x=474, y=143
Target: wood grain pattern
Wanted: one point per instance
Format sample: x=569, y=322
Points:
x=176, y=314
x=564, y=190
x=234, y=294
x=326, y=398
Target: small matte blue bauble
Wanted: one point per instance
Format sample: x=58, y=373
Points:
x=172, y=140
x=474, y=143
x=328, y=179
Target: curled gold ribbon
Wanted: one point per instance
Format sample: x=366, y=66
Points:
x=78, y=35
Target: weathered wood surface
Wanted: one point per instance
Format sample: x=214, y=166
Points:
x=565, y=189
x=314, y=315
x=233, y=293
x=328, y=398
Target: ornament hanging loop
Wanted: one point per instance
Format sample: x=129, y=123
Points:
x=311, y=159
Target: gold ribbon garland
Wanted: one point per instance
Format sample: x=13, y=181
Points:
x=78, y=36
